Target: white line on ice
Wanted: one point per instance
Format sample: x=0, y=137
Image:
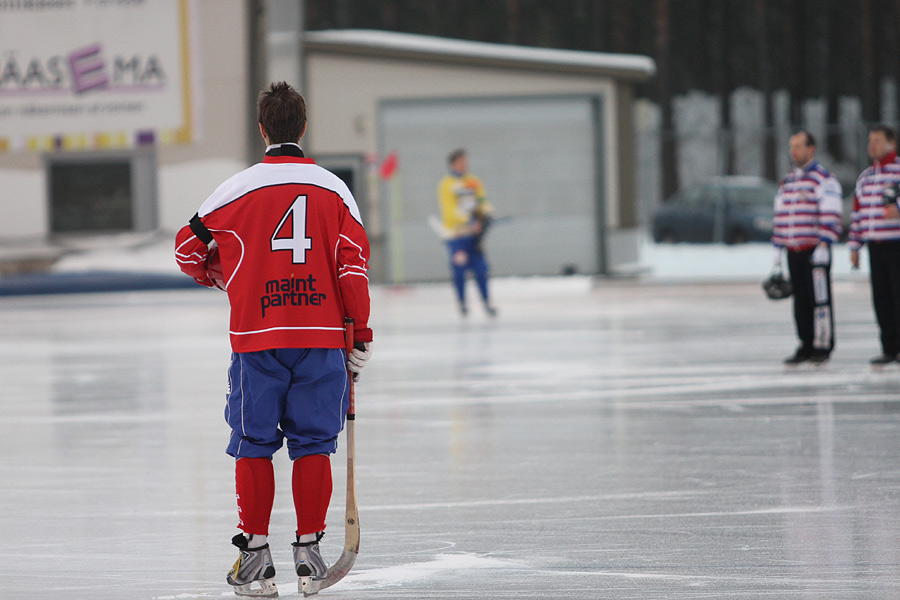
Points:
x=618, y=398
x=390, y=576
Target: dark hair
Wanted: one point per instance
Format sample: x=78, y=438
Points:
x=454, y=155
x=810, y=140
x=889, y=133
x=282, y=112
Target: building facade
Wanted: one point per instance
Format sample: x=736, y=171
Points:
x=124, y=116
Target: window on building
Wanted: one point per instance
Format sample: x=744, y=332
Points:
x=90, y=196
x=96, y=192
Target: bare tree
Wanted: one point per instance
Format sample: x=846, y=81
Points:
x=620, y=25
x=823, y=82
x=893, y=25
x=793, y=31
x=717, y=47
x=870, y=96
x=513, y=21
x=765, y=86
x=831, y=27
x=891, y=10
x=669, y=151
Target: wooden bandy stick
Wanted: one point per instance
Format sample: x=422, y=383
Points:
x=351, y=515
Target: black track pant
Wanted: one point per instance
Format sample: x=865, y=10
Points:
x=813, y=312
x=884, y=266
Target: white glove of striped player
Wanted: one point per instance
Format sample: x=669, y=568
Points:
x=777, y=253
x=821, y=255
x=358, y=357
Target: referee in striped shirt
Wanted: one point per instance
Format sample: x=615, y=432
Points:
x=807, y=222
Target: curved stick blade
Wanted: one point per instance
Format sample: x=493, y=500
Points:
x=339, y=570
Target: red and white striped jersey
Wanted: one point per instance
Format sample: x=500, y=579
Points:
x=807, y=208
x=294, y=254
x=869, y=223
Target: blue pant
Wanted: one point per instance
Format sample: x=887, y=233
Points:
x=465, y=255
x=298, y=394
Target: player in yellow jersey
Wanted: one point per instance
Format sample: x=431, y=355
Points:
x=466, y=215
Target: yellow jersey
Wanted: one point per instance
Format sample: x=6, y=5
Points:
x=462, y=200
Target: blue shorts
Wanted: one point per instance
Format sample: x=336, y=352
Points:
x=298, y=394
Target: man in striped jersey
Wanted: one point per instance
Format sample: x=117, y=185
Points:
x=807, y=222
x=876, y=222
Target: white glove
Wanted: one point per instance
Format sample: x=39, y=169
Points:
x=777, y=252
x=821, y=255
x=357, y=358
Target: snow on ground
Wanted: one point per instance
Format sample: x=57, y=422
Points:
x=739, y=262
x=698, y=262
x=151, y=252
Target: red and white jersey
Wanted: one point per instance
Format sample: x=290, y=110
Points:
x=294, y=254
x=807, y=208
x=870, y=223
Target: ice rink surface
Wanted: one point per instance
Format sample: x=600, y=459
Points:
x=615, y=439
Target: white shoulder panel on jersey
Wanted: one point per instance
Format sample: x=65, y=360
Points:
x=267, y=174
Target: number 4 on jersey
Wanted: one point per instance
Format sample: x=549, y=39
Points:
x=298, y=243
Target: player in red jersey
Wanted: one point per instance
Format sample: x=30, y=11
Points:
x=294, y=257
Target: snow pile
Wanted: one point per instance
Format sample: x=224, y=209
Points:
x=153, y=253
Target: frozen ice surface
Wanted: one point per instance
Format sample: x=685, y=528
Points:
x=617, y=439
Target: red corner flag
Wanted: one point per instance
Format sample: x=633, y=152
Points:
x=388, y=166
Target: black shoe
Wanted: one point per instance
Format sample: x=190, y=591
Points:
x=798, y=358
x=819, y=358
x=463, y=310
x=884, y=359
x=490, y=310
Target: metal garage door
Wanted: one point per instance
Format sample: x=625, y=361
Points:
x=540, y=159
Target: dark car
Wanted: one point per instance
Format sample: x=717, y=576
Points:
x=732, y=209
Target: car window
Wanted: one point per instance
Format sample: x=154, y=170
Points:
x=703, y=197
x=752, y=196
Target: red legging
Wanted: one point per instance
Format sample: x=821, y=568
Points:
x=255, y=487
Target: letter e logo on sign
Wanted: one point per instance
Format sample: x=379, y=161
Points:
x=87, y=68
